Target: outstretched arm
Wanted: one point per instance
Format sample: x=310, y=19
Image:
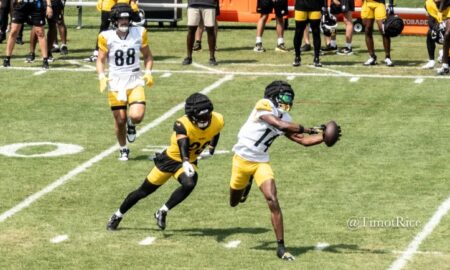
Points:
x=287, y=127
x=305, y=140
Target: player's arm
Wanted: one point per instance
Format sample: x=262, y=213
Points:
x=182, y=140
x=286, y=127
x=148, y=60
x=101, y=62
x=305, y=140
x=212, y=145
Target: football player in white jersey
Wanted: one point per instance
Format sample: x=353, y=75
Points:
x=268, y=120
x=121, y=48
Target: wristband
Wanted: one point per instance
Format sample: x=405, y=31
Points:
x=101, y=76
x=148, y=72
x=301, y=129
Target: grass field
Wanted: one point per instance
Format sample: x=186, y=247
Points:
x=369, y=202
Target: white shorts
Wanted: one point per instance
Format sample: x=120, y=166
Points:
x=196, y=14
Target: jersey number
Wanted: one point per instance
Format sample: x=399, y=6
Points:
x=268, y=142
x=121, y=58
x=197, y=148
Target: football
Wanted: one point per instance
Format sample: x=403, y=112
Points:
x=332, y=133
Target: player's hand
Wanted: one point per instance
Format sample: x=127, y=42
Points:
x=391, y=10
x=148, y=79
x=318, y=129
x=99, y=5
x=205, y=154
x=103, y=82
x=188, y=169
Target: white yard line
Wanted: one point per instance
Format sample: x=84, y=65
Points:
x=412, y=248
x=419, y=80
x=232, y=244
x=40, y=72
x=147, y=241
x=206, y=67
x=59, y=239
x=63, y=179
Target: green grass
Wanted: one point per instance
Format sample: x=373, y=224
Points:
x=392, y=161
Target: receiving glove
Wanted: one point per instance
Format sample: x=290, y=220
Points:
x=188, y=169
x=99, y=5
x=391, y=10
x=318, y=129
x=103, y=82
x=148, y=78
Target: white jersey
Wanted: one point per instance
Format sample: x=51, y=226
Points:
x=256, y=136
x=123, y=58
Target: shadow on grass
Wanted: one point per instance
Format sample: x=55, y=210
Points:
x=220, y=234
x=339, y=248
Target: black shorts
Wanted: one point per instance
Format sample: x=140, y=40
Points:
x=58, y=12
x=165, y=164
x=266, y=7
x=29, y=13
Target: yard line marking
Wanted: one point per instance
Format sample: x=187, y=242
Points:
x=166, y=75
x=206, y=68
x=90, y=67
x=419, y=80
x=321, y=246
x=290, y=78
x=332, y=70
x=436, y=253
x=40, y=72
x=147, y=241
x=74, y=62
x=412, y=248
x=354, y=79
x=59, y=239
x=232, y=244
x=63, y=179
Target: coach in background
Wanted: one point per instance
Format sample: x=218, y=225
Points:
x=35, y=11
x=435, y=31
x=371, y=11
x=444, y=9
x=201, y=10
x=104, y=6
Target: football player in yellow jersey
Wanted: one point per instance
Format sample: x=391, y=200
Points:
x=435, y=33
x=121, y=48
x=371, y=11
x=197, y=130
x=104, y=7
x=444, y=14
x=269, y=119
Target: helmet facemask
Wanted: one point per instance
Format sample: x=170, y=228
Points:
x=202, y=119
x=285, y=101
x=199, y=110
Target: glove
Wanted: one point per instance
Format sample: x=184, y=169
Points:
x=148, y=78
x=207, y=153
x=103, y=82
x=391, y=10
x=188, y=169
x=134, y=6
x=318, y=129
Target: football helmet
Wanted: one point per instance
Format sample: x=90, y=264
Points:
x=393, y=26
x=281, y=94
x=328, y=24
x=438, y=32
x=198, y=108
x=120, y=11
x=138, y=18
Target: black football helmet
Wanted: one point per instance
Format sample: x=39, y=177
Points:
x=120, y=10
x=281, y=94
x=328, y=24
x=198, y=109
x=438, y=32
x=393, y=26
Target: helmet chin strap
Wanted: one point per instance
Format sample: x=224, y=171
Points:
x=123, y=28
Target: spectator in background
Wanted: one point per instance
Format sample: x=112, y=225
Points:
x=5, y=11
x=307, y=11
x=444, y=9
x=56, y=21
x=201, y=28
x=36, y=11
x=201, y=10
x=345, y=7
x=371, y=11
x=265, y=7
x=104, y=6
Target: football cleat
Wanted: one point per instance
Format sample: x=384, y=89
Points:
x=259, y=47
x=45, y=64
x=64, y=50
x=19, y=41
x=305, y=48
x=91, y=58
x=316, y=62
x=371, y=61
x=281, y=48
x=197, y=46
x=30, y=58
x=187, y=61
x=246, y=191
x=161, y=219
x=124, y=154
x=131, y=131
x=429, y=65
x=212, y=61
x=329, y=48
x=113, y=223
x=345, y=51
x=442, y=71
x=388, y=62
x=6, y=62
x=297, y=61
x=284, y=255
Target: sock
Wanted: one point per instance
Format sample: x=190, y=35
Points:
x=280, y=41
x=129, y=122
x=280, y=243
x=123, y=147
x=348, y=45
x=118, y=213
x=164, y=208
x=333, y=43
x=258, y=39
